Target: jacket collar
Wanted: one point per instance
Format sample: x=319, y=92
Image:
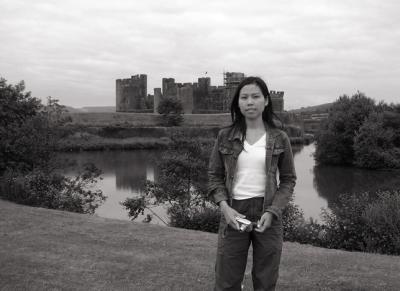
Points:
x=236, y=134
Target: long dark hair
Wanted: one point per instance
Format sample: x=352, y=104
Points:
x=238, y=120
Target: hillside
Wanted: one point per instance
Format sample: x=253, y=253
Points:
x=313, y=109
x=45, y=249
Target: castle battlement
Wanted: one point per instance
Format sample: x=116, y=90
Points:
x=196, y=97
x=132, y=80
x=276, y=94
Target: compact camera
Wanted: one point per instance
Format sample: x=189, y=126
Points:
x=243, y=223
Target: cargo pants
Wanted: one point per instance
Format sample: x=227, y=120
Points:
x=233, y=249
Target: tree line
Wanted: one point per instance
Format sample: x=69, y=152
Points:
x=361, y=133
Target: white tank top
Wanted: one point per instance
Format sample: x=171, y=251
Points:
x=250, y=177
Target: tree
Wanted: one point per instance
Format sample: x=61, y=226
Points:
x=171, y=110
x=30, y=133
x=335, y=139
x=19, y=128
x=16, y=106
x=377, y=143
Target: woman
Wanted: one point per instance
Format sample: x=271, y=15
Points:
x=242, y=181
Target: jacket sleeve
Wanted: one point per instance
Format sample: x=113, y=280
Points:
x=287, y=179
x=216, y=175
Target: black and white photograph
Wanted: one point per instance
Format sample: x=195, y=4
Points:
x=200, y=145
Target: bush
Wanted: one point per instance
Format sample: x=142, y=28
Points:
x=171, y=109
x=54, y=191
x=356, y=223
x=297, y=229
x=345, y=224
x=181, y=185
x=292, y=216
x=383, y=218
x=198, y=218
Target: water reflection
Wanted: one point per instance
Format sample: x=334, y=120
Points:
x=125, y=174
x=131, y=169
x=331, y=181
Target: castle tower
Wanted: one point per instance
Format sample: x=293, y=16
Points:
x=131, y=94
x=231, y=82
x=277, y=100
x=185, y=95
x=169, y=88
x=157, y=98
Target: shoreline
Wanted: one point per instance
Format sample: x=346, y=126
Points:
x=88, y=138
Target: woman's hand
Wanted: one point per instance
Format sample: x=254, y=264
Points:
x=230, y=214
x=264, y=222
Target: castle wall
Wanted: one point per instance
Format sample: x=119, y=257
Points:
x=185, y=95
x=157, y=98
x=200, y=97
x=277, y=100
x=231, y=82
x=131, y=94
x=200, y=94
x=169, y=88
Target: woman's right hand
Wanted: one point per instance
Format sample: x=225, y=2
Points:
x=230, y=214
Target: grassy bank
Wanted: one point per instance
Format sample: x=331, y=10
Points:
x=95, y=142
x=45, y=249
x=117, y=138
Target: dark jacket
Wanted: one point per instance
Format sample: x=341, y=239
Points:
x=223, y=162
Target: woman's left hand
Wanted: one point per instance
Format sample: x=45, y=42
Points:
x=264, y=222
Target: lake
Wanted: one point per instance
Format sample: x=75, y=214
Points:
x=125, y=173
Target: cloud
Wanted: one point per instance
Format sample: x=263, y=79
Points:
x=312, y=50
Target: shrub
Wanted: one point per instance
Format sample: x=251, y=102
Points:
x=356, y=222
x=171, y=110
x=292, y=216
x=52, y=190
x=198, y=218
x=383, y=218
x=181, y=185
x=345, y=225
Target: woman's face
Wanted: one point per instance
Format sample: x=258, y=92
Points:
x=252, y=102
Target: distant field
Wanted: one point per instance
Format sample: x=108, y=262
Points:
x=145, y=119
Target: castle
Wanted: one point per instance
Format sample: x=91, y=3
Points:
x=200, y=97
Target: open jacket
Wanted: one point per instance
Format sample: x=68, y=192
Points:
x=279, y=156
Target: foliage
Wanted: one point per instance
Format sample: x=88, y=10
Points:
x=198, y=218
x=16, y=106
x=383, y=218
x=171, y=110
x=18, y=122
x=336, y=138
x=29, y=130
x=30, y=133
x=355, y=222
x=181, y=186
x=345, y=225
x=377, y=143
x=292, y=216
x=293, y=130
x=53, y=190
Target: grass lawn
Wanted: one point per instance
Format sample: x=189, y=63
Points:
x=43, y=249
x=102, y=143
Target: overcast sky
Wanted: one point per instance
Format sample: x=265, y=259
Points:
x=313, y=50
